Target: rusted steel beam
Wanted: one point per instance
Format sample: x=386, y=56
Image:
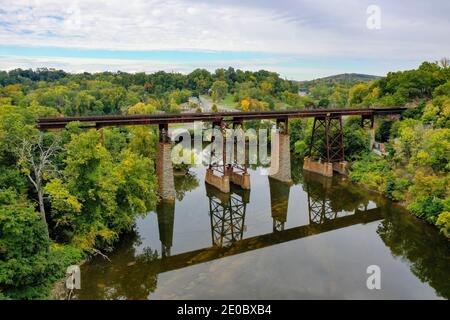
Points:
x=149, y=119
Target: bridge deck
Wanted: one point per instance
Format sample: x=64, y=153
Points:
x=165, y=118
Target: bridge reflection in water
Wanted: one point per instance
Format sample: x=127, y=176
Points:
x=132, y=275
x=227, y=213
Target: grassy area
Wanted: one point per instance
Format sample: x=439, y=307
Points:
x=228, y=101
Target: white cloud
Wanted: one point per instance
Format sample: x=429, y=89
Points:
x=320, y=28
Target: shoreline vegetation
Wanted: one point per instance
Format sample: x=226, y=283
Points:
x=67, y=195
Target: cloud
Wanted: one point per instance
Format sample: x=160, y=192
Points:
x=301, y=29
x=296, y=27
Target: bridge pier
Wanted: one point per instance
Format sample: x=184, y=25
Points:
x=228, y=169
x=280, y=157
x=238, y=171
x=220, y=182
x=326, y=153
x=164, y=168
x=240, y=179
x=368, y=123
x=218, y=173
x=322, y=168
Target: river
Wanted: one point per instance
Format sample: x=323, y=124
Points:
x=313, y=239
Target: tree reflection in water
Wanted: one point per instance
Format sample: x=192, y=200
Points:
x=127, y=276
x=427, y=251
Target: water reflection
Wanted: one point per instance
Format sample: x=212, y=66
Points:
x=332, y=204
x=227, y=213
x=165, y=211
x=279, y=202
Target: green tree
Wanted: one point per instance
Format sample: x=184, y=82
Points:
x=357, y=94
x=99, y=196
x=219, y=90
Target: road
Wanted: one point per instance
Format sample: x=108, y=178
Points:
x=207, y=104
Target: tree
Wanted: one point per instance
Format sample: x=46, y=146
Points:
x=356, y=140
x=445, y=62
x=357, y=94
x=36, y=160
x=100, y=195
x=219, y=90
x=24, y=247
x=383, y=131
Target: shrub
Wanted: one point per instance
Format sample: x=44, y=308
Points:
x=372, y=171
x=397, y=187
x=427, y=208
x=28, y=265
x=443, y=223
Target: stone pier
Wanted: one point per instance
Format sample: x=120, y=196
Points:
x=164, y=171
x=280, y=163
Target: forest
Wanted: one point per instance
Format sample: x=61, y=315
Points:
x=70, y=194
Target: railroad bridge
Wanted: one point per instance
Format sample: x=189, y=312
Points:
x=326, y=153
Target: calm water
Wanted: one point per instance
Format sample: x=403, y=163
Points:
x=313, y=239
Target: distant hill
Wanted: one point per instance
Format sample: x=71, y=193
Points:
x=348, y=79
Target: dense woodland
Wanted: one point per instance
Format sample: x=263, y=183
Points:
x=70, y=194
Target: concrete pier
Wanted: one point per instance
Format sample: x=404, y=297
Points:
x=341, y=167
x=280, y=159
x=322, y=168
x=240, y=179
x=325, y=168
x=220, y=182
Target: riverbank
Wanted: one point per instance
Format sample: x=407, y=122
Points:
x=381, y=175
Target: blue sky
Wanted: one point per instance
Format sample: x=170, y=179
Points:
x=299, y=39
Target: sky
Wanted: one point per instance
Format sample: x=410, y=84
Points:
x=299, y=39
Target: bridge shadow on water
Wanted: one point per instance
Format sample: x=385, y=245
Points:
x=332, y=204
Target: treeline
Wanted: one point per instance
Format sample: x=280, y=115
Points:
x=399, y=88
x=113, y=93
x=396, y=89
